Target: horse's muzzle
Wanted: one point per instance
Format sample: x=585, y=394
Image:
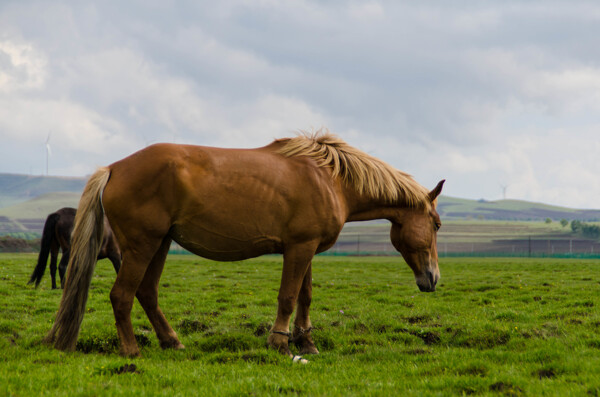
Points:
x=427, y=281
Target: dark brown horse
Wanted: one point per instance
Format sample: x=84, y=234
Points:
x=57, y=235
x=291, y=197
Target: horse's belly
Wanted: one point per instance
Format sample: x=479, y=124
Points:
x=222, y=247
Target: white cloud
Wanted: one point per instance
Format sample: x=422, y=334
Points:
x=567, y=90
x=71, y=125
x=268, y=118
x=22, y=67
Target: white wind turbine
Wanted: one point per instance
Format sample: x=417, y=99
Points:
x=48, y=152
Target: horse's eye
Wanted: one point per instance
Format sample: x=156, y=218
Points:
x=438, y=226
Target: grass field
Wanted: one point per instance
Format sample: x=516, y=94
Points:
x=494, y=327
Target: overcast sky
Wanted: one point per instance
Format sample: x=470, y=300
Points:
x=482, y=93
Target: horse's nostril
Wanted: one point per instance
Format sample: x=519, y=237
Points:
x=427, y=281
x=431, y=278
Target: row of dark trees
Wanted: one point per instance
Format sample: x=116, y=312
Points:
x=585, y=229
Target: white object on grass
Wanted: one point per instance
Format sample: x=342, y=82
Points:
x=299, y=359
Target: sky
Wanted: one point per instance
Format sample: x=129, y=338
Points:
x=495, y=97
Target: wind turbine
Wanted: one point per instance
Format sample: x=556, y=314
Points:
x=504, y=187
x=48, y=152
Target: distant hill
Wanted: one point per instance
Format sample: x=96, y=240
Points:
x=512, y=210
x=26, y=200
x=41, y=206
x=15, y=188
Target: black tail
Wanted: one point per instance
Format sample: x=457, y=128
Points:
x=47, y=237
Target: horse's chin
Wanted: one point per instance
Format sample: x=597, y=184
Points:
x=426, y=288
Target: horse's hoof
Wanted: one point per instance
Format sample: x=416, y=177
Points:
x=304, y=342
x=130, y=354
x=172, y=344
x=280, y=343
x=179, y=347
x=309, y=350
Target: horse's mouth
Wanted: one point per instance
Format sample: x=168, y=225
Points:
x=427, y=282
x=426, y=288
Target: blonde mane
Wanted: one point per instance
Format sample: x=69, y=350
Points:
x=367, y=174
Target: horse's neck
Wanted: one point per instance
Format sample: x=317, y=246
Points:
x=376, y=213
x=362, y=208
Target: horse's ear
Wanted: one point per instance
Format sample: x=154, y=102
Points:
x=436, y=190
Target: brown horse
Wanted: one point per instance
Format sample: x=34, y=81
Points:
x=57, y=235
x=291, y=197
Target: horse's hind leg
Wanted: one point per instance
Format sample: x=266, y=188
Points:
x=62, y=267
x=147, y=295
x=302, y=325
x=129, y=278
x=115, y=258
x=296, y=260
x=53, y=258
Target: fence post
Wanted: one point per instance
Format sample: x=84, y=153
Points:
x=571, y=246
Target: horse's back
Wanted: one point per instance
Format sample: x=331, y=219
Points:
x=195, y=173
x=224, y=204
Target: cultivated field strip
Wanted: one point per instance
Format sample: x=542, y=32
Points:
x=503, y=238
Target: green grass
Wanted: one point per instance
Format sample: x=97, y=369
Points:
x=494, y=327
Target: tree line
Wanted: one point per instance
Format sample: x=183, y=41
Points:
x=585, y=229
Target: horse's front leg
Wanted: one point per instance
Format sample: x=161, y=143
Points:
x=302, y=325
x=296, y=260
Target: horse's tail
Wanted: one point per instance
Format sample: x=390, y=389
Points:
x=86, y=241
x=47, y=236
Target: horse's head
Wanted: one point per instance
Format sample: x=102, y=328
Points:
x=414, y=235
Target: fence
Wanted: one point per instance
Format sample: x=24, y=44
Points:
x=363, y=245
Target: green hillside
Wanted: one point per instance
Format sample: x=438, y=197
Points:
x=41, y=206
x=514, y=210
x=15, y=188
